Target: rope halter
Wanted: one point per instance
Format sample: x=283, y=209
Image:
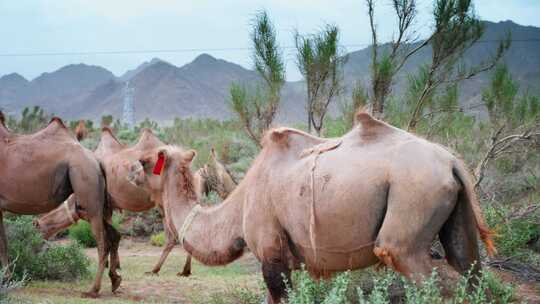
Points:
x=68, y=212
x=188, y=221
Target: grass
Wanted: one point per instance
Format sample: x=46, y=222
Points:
x=136, y=259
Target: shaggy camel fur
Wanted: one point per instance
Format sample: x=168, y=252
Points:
x=377, y=194
x=39, y=171
x=116, y=159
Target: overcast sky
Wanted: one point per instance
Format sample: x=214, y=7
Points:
x=60, y=26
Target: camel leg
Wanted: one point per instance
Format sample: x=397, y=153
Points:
x=114, y=242
x=274, y=272
x=98, y=230
x=186, y=272
x=411, y=223
x=4, y=259
x=171, y=242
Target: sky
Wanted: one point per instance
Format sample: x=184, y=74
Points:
x=219, y=28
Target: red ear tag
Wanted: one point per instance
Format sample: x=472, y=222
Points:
x=158, y=168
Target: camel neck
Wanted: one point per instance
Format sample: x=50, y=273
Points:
x=215, y=235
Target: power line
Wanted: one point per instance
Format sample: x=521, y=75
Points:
x=191, y=50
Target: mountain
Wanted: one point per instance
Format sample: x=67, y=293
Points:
x=129, y=74
x=163, y=91
x=57, y=92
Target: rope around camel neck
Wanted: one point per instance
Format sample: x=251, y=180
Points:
x=188, y=221
x=66, y=208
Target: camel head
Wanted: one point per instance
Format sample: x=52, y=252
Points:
x=2, y=119
x=218, y=177
x=166, y=169
x=57, y=220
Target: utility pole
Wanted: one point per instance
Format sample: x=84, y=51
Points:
x=128, y=116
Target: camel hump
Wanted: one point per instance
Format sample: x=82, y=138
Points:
x=80, y=131
x=57, y=120
x=290, y=138
x=107, y=130
x=2, y=119
x=370, y=127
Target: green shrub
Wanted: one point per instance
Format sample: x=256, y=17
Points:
x=7, y=285
x=513, y=234
x=158, y=239
x=386, y=286
x=82, y=231
x=35, y=258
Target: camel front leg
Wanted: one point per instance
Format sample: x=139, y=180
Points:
x=4, y=259
x=98, y=230
x=171, y=242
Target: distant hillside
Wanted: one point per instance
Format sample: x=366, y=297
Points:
x=523, y=60
x=201, y=88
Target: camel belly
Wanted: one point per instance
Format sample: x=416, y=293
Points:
x=327, y=261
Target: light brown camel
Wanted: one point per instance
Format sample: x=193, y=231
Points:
x=377, y=194
x=39, y=171
x=214, y=176
x=116, y=158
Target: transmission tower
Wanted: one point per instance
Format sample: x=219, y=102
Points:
x=128, y=116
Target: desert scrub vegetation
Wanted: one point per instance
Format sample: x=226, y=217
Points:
x=388, y=287
x=36, y=259
x=81, y=232
x=7, y=285
x=158, y=239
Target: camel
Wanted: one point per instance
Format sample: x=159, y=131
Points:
x=214, y=176
x=376, y=195
x=39, y=171
x=116, y=159
x=80, y=131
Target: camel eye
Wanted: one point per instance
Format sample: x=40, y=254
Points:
x=143, y=162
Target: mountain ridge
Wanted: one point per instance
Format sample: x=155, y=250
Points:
x=200, y=88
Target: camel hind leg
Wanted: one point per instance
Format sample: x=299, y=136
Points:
x=113, y=238
x=89, y=188
x=186, y=272
x=411, y=223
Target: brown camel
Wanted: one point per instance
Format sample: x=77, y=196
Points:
x=377, y=194
x=116, y=158
x=39, y=171
x=80, y=131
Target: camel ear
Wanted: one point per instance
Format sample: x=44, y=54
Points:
x=190, y=155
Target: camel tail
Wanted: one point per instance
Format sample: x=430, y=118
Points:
x=466, y=179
